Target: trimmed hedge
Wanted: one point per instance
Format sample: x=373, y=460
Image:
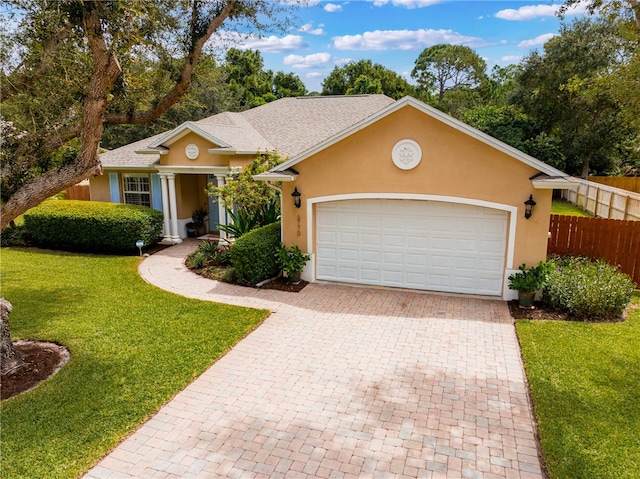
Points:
x=92, y=226
x=254, y=255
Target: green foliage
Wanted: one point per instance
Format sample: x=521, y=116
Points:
x=588, y=289
x=253, y=256
x=365, y=77
x=133, y=347
x=92, y=226
x=199, y=216
x=444, y=67
x=292, y=259
x=251, y=85
x=567, y=90
x=244, y=195
x=530, y=279
x=14, y=236
x=209, y=253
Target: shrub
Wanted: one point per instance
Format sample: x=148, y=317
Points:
x=530, y=280
x=253, y=256
x=14, y=236
x=209, y=253
x=292, y=260
x=92, y=226
x=588, y=289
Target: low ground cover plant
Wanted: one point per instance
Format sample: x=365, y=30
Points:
x=212, y=260
x=133, y=347
x=588, y=289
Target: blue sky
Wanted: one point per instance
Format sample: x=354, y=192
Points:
x=394, y=32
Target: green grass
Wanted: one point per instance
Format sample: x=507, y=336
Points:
x=133, y=347
x=585, y=385
x=562, y=207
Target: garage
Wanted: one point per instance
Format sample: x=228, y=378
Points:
x=428, y=245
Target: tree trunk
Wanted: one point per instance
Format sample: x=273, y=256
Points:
x=9, y=357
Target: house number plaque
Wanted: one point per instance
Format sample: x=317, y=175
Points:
x=406, y=154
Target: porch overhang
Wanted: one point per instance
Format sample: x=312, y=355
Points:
x=287, y=175
x=542, y=181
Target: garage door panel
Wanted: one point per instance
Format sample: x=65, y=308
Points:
x=408, y=243
x=393, y=259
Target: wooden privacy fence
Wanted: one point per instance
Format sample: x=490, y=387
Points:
x=79, y=192
x=615, y=241
x=629, y=183
x=604, y=201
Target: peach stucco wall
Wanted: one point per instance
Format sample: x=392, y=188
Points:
x=177, y=157
x=453, y=164
x=99, y=188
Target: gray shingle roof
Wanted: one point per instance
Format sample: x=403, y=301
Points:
x=288, y=125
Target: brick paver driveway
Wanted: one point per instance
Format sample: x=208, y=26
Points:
x=344, y=382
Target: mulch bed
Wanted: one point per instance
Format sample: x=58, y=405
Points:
x=282, y=284
x=540, y=311
x=42, y=360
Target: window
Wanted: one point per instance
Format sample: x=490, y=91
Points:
x=137, y=190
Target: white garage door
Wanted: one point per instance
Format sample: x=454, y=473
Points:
x=427, y=245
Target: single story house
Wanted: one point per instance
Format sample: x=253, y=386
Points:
x=377, y=191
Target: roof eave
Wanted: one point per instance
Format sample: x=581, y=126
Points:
x=433, y=112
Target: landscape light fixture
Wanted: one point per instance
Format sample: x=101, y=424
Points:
x=528, y=207
x=296, y=197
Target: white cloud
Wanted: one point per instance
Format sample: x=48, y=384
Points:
x=332, y=7
x=314, y=75
x=308, y=28
x=539, y=40
x=529, y=12
x=308, y=61
x=410, y=4
x=511, y=58
x=403, y=39
x=273, y=44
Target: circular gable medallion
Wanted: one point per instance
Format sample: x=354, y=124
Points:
x=406, y=154
x=192, y=151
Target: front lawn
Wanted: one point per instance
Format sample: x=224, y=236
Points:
x=133, y=347
x=585, y=384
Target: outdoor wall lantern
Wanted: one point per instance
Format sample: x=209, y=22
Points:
x=296, y=197
x=528, y=207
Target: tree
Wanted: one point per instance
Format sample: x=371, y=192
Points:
x=624, y=77
x=442, y=68
x=567, y=90
x=72, y=66
x=363, y=76
x=244, y=193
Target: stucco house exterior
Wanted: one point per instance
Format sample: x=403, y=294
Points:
x=391, y=193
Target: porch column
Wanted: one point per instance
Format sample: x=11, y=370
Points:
x=165, y=208
x=222, y=214
x=175, y=235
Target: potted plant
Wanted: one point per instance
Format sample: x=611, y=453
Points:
x=292, y=261
x=199, y=216
x=191, y=229
x=529, y=280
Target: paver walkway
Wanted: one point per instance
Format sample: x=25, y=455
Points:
x=342, y=381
